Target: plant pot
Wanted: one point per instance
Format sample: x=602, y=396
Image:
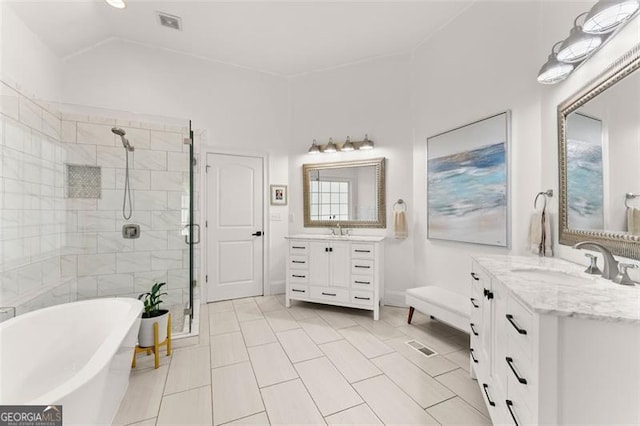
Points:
x=145, y=335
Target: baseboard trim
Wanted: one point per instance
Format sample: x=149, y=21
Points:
x=395, y=298
x=277, y=287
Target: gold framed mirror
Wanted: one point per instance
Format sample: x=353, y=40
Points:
x=351, y=193
x=598, y=160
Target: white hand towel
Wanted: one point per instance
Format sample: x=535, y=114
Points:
x=633, y=220
x=400, y=225
x=540, y=234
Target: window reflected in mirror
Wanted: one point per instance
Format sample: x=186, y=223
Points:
x=349, y=193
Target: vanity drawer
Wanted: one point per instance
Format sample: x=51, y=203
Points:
x=298, y=276
x=527, y=391
x=330, y=293
x=298, y=247
x=362, y=282
x=362, y=251
x=362, y=267
x=298, y=291
x=298, y=262
x=521, y=328
x=362, y=298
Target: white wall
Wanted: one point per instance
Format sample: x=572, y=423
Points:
x=241, y=110
x=372, y=98
x=470, y=70
x=26, y=62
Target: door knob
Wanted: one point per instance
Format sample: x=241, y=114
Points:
x=257, y=234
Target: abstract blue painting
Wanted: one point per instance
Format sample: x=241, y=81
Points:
x=467, y=183
x=585, y=183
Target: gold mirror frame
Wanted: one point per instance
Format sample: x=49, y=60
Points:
x=380, y=187
x=619, y=243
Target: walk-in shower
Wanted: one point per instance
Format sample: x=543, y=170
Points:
x=127, y=186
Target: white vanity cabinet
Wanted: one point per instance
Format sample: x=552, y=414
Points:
x=344, y=271
x=544, y=355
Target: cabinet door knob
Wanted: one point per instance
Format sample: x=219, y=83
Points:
x=513, y=323
x=473, y=329
x=513, y=416
x=486, y=392
x=520, y=379
x=488, y=294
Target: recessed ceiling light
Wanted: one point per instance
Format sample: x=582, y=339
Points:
x=118, y=4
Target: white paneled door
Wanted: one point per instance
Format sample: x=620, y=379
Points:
x=234, y=226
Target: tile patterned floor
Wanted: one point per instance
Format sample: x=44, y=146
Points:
x=257, y=362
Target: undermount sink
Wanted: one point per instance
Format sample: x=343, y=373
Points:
x=552, y=275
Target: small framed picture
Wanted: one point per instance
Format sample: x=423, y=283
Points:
x=278, y=195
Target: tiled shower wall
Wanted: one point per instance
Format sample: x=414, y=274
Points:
x=32, y=205
x=56, y=249
x=105, y=263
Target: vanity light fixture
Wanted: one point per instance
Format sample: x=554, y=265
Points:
x=347, y=145
x=366, y=144
x=118, y=4
x=554, y=71
x=606, y=15
x=579, y=44
x=331, y=147
x=315, y=148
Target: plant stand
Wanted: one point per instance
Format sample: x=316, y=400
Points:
x=156, y=345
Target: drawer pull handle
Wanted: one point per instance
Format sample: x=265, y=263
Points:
x=328, y=294
x=298, y=261
x=363, y=266
x=298, y=291
x=362, y=282
x=486, y=392
x=520, y=330
x=520, y=379
x=299, y=276
x=472, y=352
x=362, y=251
x=298, y=247
x=513, y=416
x=475, y=333
x=362, y=298
x=475, y=276
x=488, y=294
x=473, y=302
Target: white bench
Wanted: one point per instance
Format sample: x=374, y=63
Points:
x=440, y=303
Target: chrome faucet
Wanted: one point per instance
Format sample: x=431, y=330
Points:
x=610, y=270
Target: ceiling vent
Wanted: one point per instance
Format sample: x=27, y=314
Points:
x=170, y=21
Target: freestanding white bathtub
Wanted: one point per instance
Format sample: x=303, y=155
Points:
x=76, y=354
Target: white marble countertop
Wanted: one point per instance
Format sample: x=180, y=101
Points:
x=557, y=287
x=327, y=237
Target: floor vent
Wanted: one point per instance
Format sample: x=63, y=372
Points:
x=170, y=21
x=424, y=350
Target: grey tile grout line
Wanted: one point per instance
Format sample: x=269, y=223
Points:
x=253, y=372
x=463, y=400
x=143, y=420
x=294, y=369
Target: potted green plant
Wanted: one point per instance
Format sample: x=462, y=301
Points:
x=152, y=314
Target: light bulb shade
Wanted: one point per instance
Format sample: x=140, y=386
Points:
x=366, y=144
x=578, y=46
x=347, y=145
x=553, y=71
x=118, y=4
x=606, y=15
x=331, y=147
x=314, y=149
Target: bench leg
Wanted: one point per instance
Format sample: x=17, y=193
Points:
x=411, y=310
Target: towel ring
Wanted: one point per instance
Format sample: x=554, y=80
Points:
x=400, y=203
x=630, y=196
x=545, y=195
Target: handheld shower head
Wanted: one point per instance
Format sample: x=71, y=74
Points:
x=125, y=141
